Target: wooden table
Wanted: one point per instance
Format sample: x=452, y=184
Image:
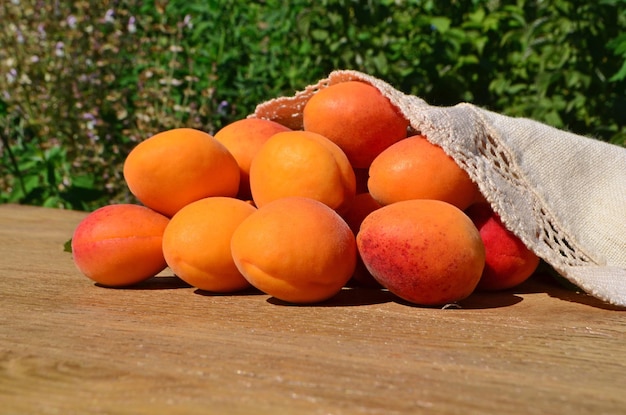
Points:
x=68, y=346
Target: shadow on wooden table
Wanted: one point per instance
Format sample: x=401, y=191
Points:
x=242, y=293
x=538, y=284
x=347, y=297
x=160, y=282
x=551, y=285
x=359, y=296
x=355, y=296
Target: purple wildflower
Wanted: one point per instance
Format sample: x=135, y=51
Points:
x=109, y=16
x=132, y=28
x=221, y=108
x=11, y=75
x=71, y=21
x=42, y=31
x=58, y=49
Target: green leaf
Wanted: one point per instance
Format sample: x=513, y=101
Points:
x=618, y=44
x=52, y=202
x=31, y=182
x=27, y=164
x=441, y=23
x=468, y=60
x=620, y=75
x=67, y=246
x=54, y=152
x=319, y=34
x=517, y=88
x=380, y=61
x=553, y=118
x=84, y=180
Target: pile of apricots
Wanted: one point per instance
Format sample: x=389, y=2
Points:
x=351, y=199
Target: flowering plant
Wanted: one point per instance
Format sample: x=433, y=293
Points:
x=81, y=83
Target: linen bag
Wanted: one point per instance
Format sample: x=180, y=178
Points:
x=562, y=194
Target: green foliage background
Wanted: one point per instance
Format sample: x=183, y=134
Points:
x=81, y=82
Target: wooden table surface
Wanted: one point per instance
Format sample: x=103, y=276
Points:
x=68, y=346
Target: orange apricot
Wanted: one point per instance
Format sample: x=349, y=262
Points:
x=176, y=167
x=414, y=168
x=243, y=138
x=119, y=245
x=196, y=243
x=301, y=163
x=362, y=205
x=295, y=249
x=357, y=117
x=427, y=252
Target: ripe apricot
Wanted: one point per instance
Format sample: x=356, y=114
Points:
x=176, y=167
x=196, y=243
x=119, y=245
x=302, y=163
x=243, y=138
x=296, y=249
x=362, y=205
x=414, y=168
x=508, y=261
x=357, y=117
x=427, y=252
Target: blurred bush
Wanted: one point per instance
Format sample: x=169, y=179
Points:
x=81, y=82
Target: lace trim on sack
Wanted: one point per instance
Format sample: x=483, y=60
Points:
x=551, y=233
x=552, y=238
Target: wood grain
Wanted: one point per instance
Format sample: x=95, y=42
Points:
x=68, y=346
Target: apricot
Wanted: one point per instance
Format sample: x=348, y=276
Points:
x=196, y=243
x=427, y=252
x=362, y=205
x=414, y=168
x=119, y=245
x=295, y=249
x=357, y=117
x=176, y=167
x=508, y=261
x=305, y=164
x=243, y=138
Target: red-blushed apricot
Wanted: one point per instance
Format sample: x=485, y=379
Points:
x=362, y=205
x=414, y=168
x=196, y=243
x=176, y=167
x=305, y=164
x=357, y=117
x=427, y=252
x=120, y=245
x=508, y=261
x=295, y=249
x=243, y=138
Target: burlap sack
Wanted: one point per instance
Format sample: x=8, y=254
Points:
x=564, y=195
